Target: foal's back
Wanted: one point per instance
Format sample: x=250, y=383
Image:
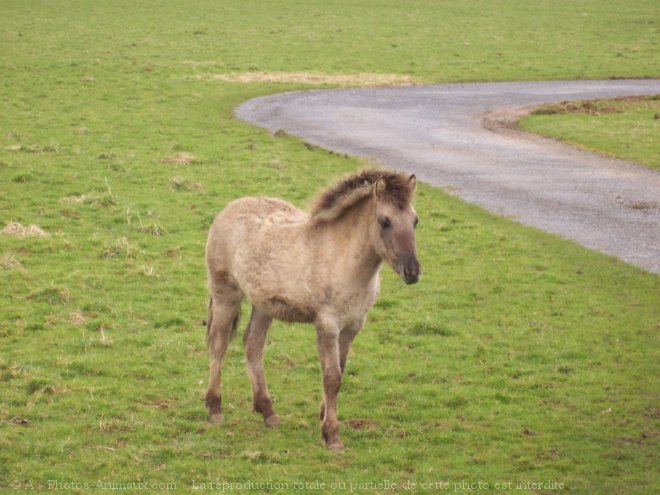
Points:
x=247, y=217
x=262, y=245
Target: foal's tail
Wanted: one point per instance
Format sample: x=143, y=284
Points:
x=209, y=320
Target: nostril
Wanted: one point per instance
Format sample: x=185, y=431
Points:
x=411, y=268
x=408, y=268
x=411, y=271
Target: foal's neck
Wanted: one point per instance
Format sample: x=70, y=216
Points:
x=355, y=228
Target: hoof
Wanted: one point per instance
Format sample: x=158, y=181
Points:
x=335, y=446
x=272, y=421
x=216, y=418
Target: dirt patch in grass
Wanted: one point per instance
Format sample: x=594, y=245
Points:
x=182, y=184
x=17, y=230
x=505, y=119
x=365, y=79
x=160, y=403
x=200, y=63
x=79, y=318
x=179, y=159
x=10, y=262
x=360, y=424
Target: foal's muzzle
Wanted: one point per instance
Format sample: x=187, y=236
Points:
x=411, y=270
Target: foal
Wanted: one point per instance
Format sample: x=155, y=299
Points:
x=321, y=268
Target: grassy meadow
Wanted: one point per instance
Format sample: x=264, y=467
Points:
x=521, y=363
x=624, y=127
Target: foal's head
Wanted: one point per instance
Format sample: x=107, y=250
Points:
x=394, y=220
x=394, y=224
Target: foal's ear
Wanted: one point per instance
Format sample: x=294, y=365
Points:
x=379, y=188
x=413, y=182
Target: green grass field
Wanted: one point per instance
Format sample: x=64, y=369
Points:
x=519, y=358
x=624, y=128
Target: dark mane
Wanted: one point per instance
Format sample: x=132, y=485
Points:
x=332, y=202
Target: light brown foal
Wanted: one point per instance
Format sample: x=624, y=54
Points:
x=321, y=268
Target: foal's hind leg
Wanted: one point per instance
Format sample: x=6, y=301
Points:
x=224, y=314
x=254, y=341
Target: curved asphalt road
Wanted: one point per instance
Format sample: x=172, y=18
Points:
x=451, y=136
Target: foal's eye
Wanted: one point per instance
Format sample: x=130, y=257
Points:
x=416, y=222
x=385, y=223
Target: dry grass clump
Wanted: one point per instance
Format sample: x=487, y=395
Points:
x=10, y=262
x=364, y=79
x=17, y=230
x=182, y=184
x=179, y=159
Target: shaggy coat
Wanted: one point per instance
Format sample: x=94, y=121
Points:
x=320, y=268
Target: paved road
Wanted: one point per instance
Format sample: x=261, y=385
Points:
x=449, y=135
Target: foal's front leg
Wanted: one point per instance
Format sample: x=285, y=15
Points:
x=346, y=337
x=327, y=338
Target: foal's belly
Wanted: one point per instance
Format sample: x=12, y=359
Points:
x=282, y=309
